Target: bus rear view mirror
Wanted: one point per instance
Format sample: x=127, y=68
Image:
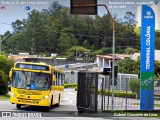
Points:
x=53, y=77
x=11, y=74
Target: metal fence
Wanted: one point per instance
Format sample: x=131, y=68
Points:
x=71, y=78
x=120, y=103
x=122, y=81
x=125, y=102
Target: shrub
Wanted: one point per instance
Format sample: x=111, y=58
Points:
x=134, y=86
x=3, y=83
x=118, y=94
x=6, y=64
x=75, y=88
x=70, y=85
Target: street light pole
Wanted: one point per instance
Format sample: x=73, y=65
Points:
x=1, y=42
x=113, y=47
x=5, y=38
x=113, y=62
x=113, y=55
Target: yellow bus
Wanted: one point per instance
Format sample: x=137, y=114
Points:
x=36, y=84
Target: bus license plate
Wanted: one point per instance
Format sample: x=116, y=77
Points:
x=28, y=101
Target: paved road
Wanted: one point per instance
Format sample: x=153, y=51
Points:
x=68, y=100
x=67, y=111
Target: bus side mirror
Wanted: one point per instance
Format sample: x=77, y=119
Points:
x=53, y=77
x=11, y=74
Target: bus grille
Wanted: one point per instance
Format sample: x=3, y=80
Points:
x=26, y=92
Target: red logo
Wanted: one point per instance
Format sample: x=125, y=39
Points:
x=3, y=8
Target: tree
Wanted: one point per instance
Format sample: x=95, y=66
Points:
x=157, y=39
x=18, y=42
x=127, y=66
x=55, y=30
x=131, y=50
x=137, y=32
x=77, y=52
x=138, y=64
x=5, y=67
x=3, y=83
x=157, y=69
x=17, y=26
x=101, y=51
x=129, y=18
x=66, y=42
x=6, y=64
x=85, y=44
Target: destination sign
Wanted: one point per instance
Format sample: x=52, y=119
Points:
x=32, y=67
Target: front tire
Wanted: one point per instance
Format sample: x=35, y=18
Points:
x=57, y=105
x=47, y=109
x=18, y=106
x=51, y=102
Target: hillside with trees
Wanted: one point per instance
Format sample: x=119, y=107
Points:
x=55, y=30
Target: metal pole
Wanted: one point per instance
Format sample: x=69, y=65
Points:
x=113, y=47
x=108, y=93
x=113, y=57
x=102, y=91
x=5, y=38
x=104, y=94
x=126, y=91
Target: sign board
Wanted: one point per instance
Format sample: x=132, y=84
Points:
x=147, y=58
x=107, y=71
x=32, y=67
x=83, y=7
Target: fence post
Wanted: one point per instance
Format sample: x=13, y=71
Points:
x=105, y=81
x=102, y=92
x=109, y=85
x=126, y=91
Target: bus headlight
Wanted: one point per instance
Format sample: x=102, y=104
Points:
x=14, y=95
x=45, y=97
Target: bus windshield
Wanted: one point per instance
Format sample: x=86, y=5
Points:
x=31, y=80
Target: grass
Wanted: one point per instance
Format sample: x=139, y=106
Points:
x=4, y=97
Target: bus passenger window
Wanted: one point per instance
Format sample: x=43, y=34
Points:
x=62, y=80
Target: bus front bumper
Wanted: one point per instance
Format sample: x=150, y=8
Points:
x=45, y=101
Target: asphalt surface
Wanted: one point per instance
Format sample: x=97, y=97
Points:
x=66, y=111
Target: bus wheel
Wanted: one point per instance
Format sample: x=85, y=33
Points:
x=47, y=108
x=57, y=105
x=18, y=105
x=51, y=102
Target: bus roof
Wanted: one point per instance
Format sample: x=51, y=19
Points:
x=58, y=70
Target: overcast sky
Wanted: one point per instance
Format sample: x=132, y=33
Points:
x=11, y=10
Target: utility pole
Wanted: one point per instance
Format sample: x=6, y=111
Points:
x=1, y=42
x=5, y=38
x=80, y=8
